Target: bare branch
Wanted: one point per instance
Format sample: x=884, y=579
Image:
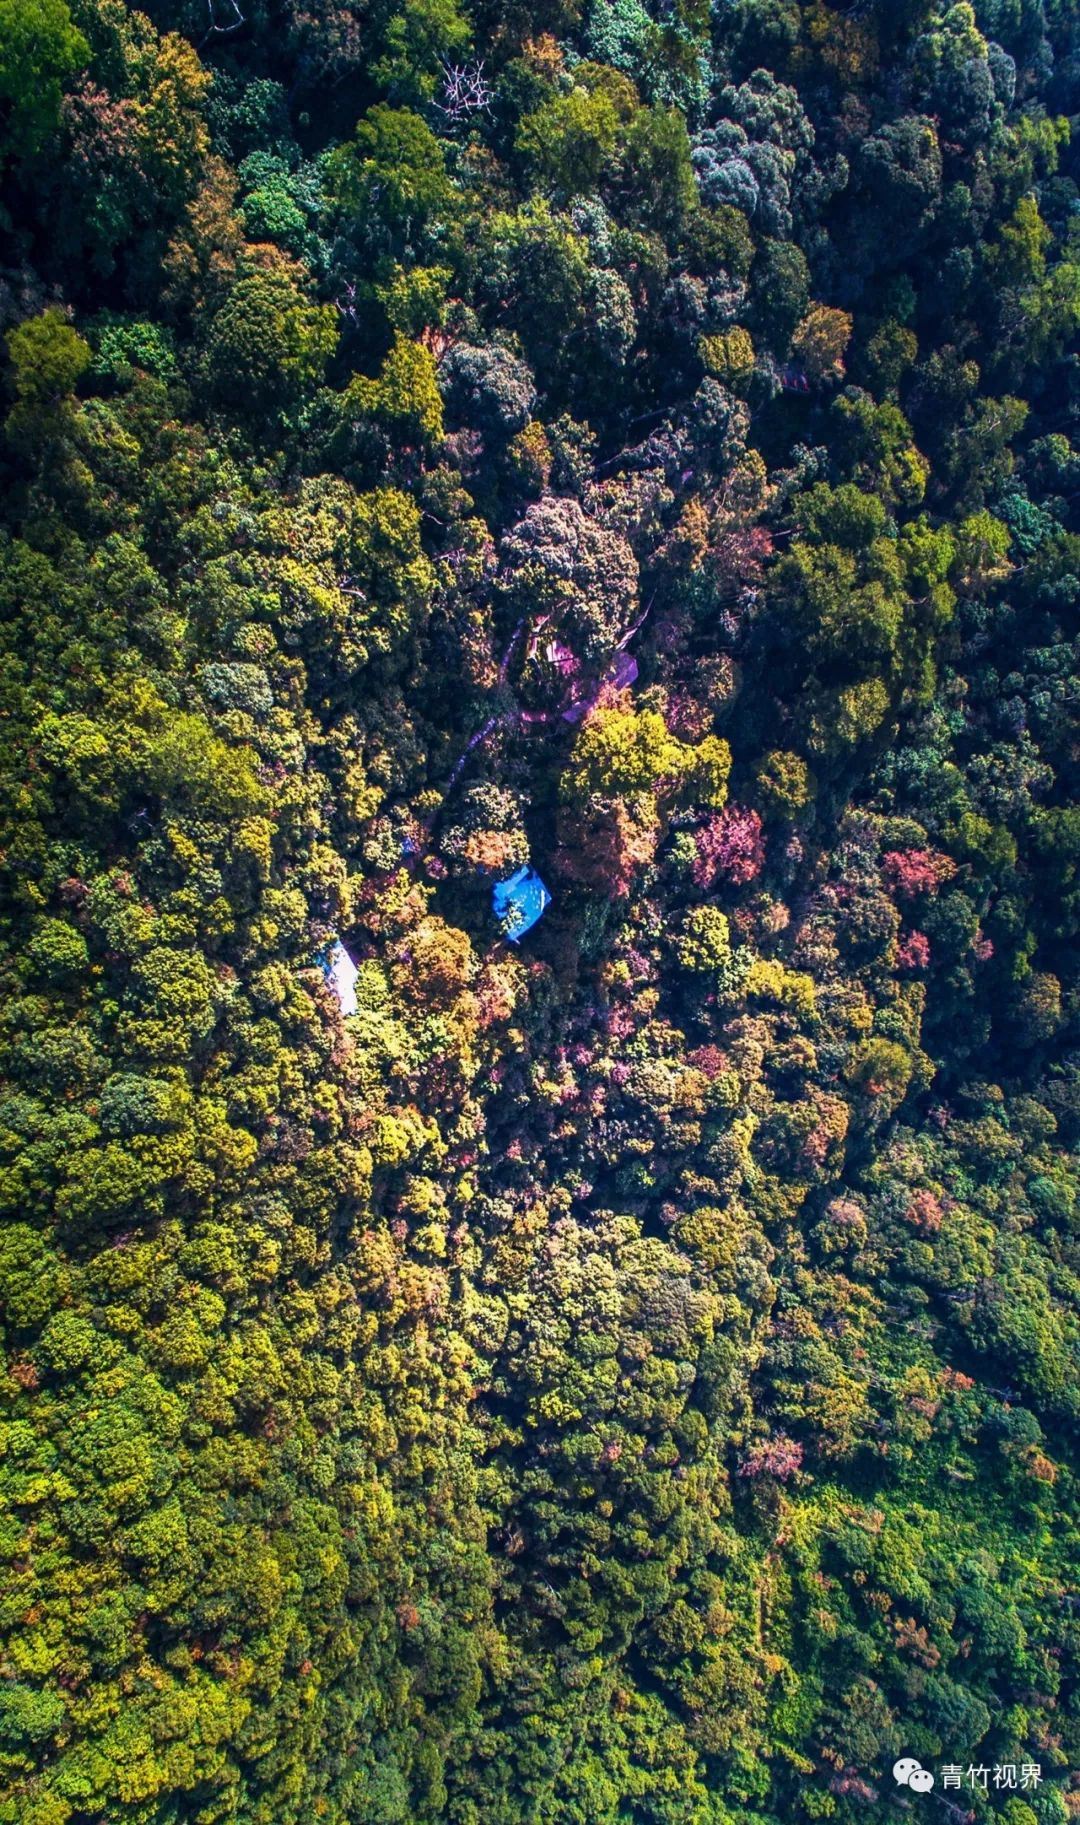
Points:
x=213, y=29
x=465, y=91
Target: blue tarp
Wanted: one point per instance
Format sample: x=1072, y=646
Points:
x=519, y=902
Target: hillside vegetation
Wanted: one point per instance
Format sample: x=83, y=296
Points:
x=626, y=1372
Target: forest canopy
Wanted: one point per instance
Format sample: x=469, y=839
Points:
x=615, y=1360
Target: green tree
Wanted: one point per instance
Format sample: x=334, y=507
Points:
x=48, y=358
x=268, y=339
x=391, y=183
x=40, y=49
x=418, y=38
x=569, y=141
x=405, y=399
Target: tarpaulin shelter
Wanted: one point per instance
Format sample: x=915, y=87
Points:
x=341, y=973
x=519, y=902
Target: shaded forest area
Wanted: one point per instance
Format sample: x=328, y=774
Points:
x=629, y=1375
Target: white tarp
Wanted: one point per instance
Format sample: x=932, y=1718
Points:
x=341, y=973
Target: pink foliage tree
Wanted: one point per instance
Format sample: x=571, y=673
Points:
x=915, y=871
x=844, y=1213
x=914, y=952
x=778, y=1456
x=925, y=1213
x=729, y=844
x=853, y=1786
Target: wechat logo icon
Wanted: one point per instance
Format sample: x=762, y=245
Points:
x=907, y=1772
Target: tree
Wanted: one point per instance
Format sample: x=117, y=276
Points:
x=656, y=175
x=417, y=41
x=391, y=185
x=48, y=358
x=882, y=1069
x=954, y=76
x=57, y=952
x=781, y=284
x=820, y=340
x=703, y=947
x=40, y=49
x=882, y=448
x=784, y=783
x=405, y=400
x=730, y=357
x=1018, y=257
x=897, y=174
x=561, y=563
x=625, y=771
x=844, y=516
x=569, y=141
x=536, y=269
x=268, y=339
x=490, y=388
x=731, y=845
x=621, y=750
